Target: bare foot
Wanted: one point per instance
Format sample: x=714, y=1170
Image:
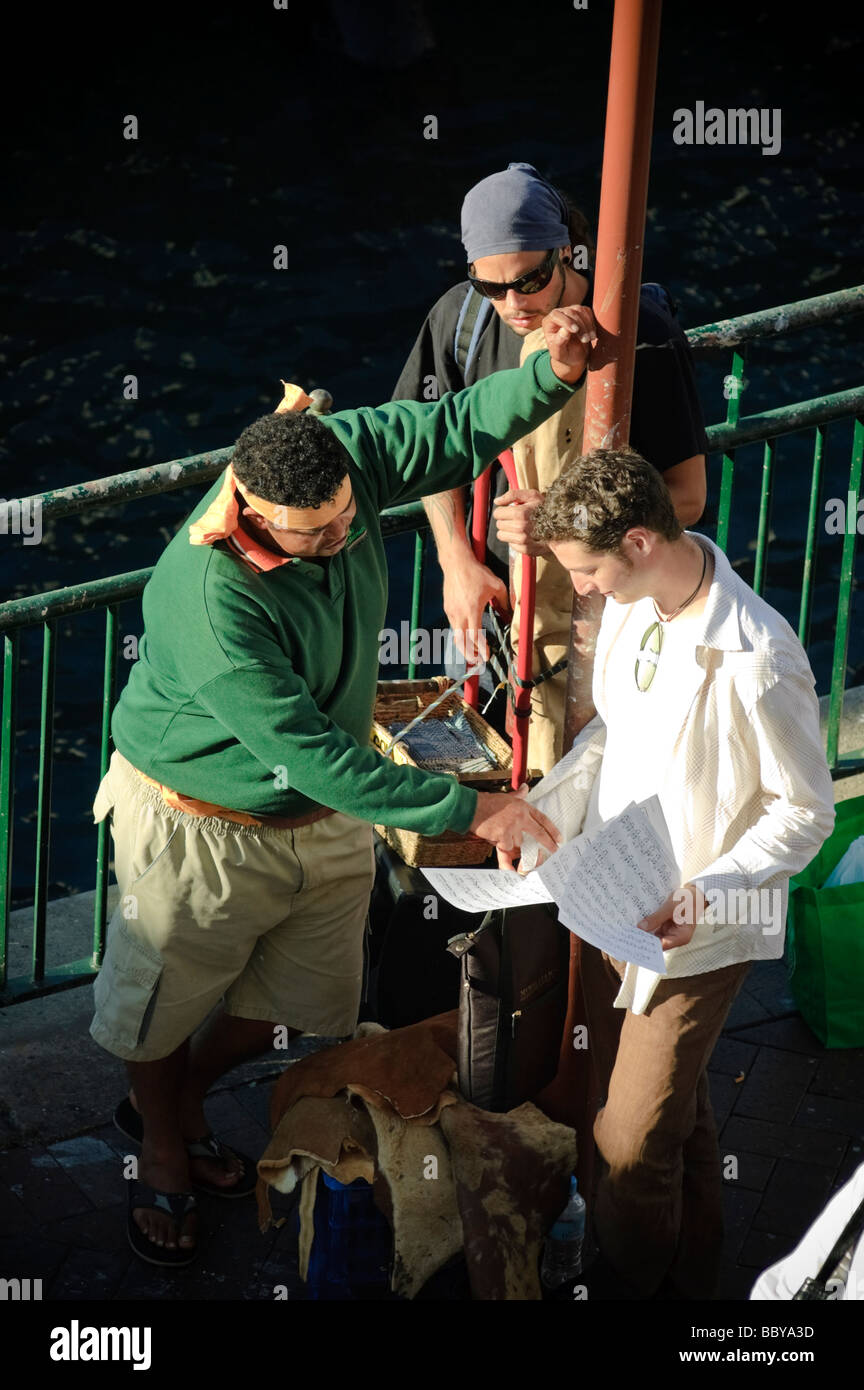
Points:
x=215, y=1172
x=167, y=1173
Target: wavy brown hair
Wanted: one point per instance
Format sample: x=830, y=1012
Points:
x=600, y=496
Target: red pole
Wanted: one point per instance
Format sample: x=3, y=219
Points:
x=621, y=225
x=617, y=279
x=522, y=696
x=571, y=1097
x=479, y=522
x=525, y=654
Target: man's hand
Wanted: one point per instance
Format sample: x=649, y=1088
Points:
x=468, y=587
x=512, y=514
x=503, y=819
x=570, y=334
x=675, y=920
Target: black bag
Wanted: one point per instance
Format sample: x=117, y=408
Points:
x=512, y=1005
x=411, y=975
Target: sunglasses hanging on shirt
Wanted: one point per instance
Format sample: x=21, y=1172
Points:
x=652, y=639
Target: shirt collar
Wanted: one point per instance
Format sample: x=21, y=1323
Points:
x=222, y=522
x=253, y=554
x=722, y=625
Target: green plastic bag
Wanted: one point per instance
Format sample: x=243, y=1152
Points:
x=826, y=939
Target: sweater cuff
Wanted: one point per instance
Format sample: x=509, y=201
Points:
x=546, y=378
x=465, y=808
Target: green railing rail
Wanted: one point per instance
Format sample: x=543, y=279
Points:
x=777, y=322
x=46, y=609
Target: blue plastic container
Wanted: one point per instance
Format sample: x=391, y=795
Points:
x=353, y=1244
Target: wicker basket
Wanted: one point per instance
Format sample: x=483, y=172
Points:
x=403, y=700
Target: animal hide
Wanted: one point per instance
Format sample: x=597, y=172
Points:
x=512, y=1175
x=445, y=1174
x=335, y=1134
x=407, y=1069
x=414, y=1188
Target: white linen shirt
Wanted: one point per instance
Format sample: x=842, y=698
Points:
x=742, y=775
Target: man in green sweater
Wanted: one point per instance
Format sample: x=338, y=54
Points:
x=244, y=788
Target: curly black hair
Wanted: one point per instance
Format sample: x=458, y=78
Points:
x=293, y=460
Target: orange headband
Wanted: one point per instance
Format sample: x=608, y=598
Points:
x=280, y=515
x=222, y=516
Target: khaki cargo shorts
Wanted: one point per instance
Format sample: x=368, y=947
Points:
x=270, y=920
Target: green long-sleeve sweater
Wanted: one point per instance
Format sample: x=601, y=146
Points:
x=256, y=691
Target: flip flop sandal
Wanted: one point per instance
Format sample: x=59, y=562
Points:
x=128, y=1121
x=211, y=1147
x=177, y=1204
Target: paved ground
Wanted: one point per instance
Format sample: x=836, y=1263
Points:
x=792, y=1113
x=789, y=1112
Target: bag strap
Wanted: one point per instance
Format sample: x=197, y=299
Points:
x=470, y=324
x=463, y=942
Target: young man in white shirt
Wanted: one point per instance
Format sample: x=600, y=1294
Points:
x=705, y=698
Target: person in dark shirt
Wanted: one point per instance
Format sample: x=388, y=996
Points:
x=528, y=253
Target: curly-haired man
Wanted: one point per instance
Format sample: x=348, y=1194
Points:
x=244, y=788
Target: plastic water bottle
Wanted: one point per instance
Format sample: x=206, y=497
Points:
x=562, y=1249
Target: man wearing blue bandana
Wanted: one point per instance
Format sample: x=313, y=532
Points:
x=528, y=252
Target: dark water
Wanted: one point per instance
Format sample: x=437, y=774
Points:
x=260, y=127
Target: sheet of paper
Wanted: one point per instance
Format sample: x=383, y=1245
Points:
x=563, y=793
x=478, y=890
x=555, y=872
x=621, y=943
x=604, y=883
x=626, y=871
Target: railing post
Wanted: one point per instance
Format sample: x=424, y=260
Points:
x=765, y=498
x=43, y=811
x=811, y=544
x=109, y=675
x=734, y=384
x=7, y=788
x=844, y=602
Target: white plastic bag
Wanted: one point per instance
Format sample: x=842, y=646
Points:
x=851, y=866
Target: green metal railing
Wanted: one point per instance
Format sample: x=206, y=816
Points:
x=818, y=413
x=108, y=594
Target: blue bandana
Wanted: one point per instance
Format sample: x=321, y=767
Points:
x=515, y=210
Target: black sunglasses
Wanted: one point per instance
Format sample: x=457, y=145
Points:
x=532, y=282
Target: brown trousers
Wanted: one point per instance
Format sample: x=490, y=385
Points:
x=658, y=1203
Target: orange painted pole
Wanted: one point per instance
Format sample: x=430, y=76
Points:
x=572, y=1097
x=621, y=225
x=617, y=280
